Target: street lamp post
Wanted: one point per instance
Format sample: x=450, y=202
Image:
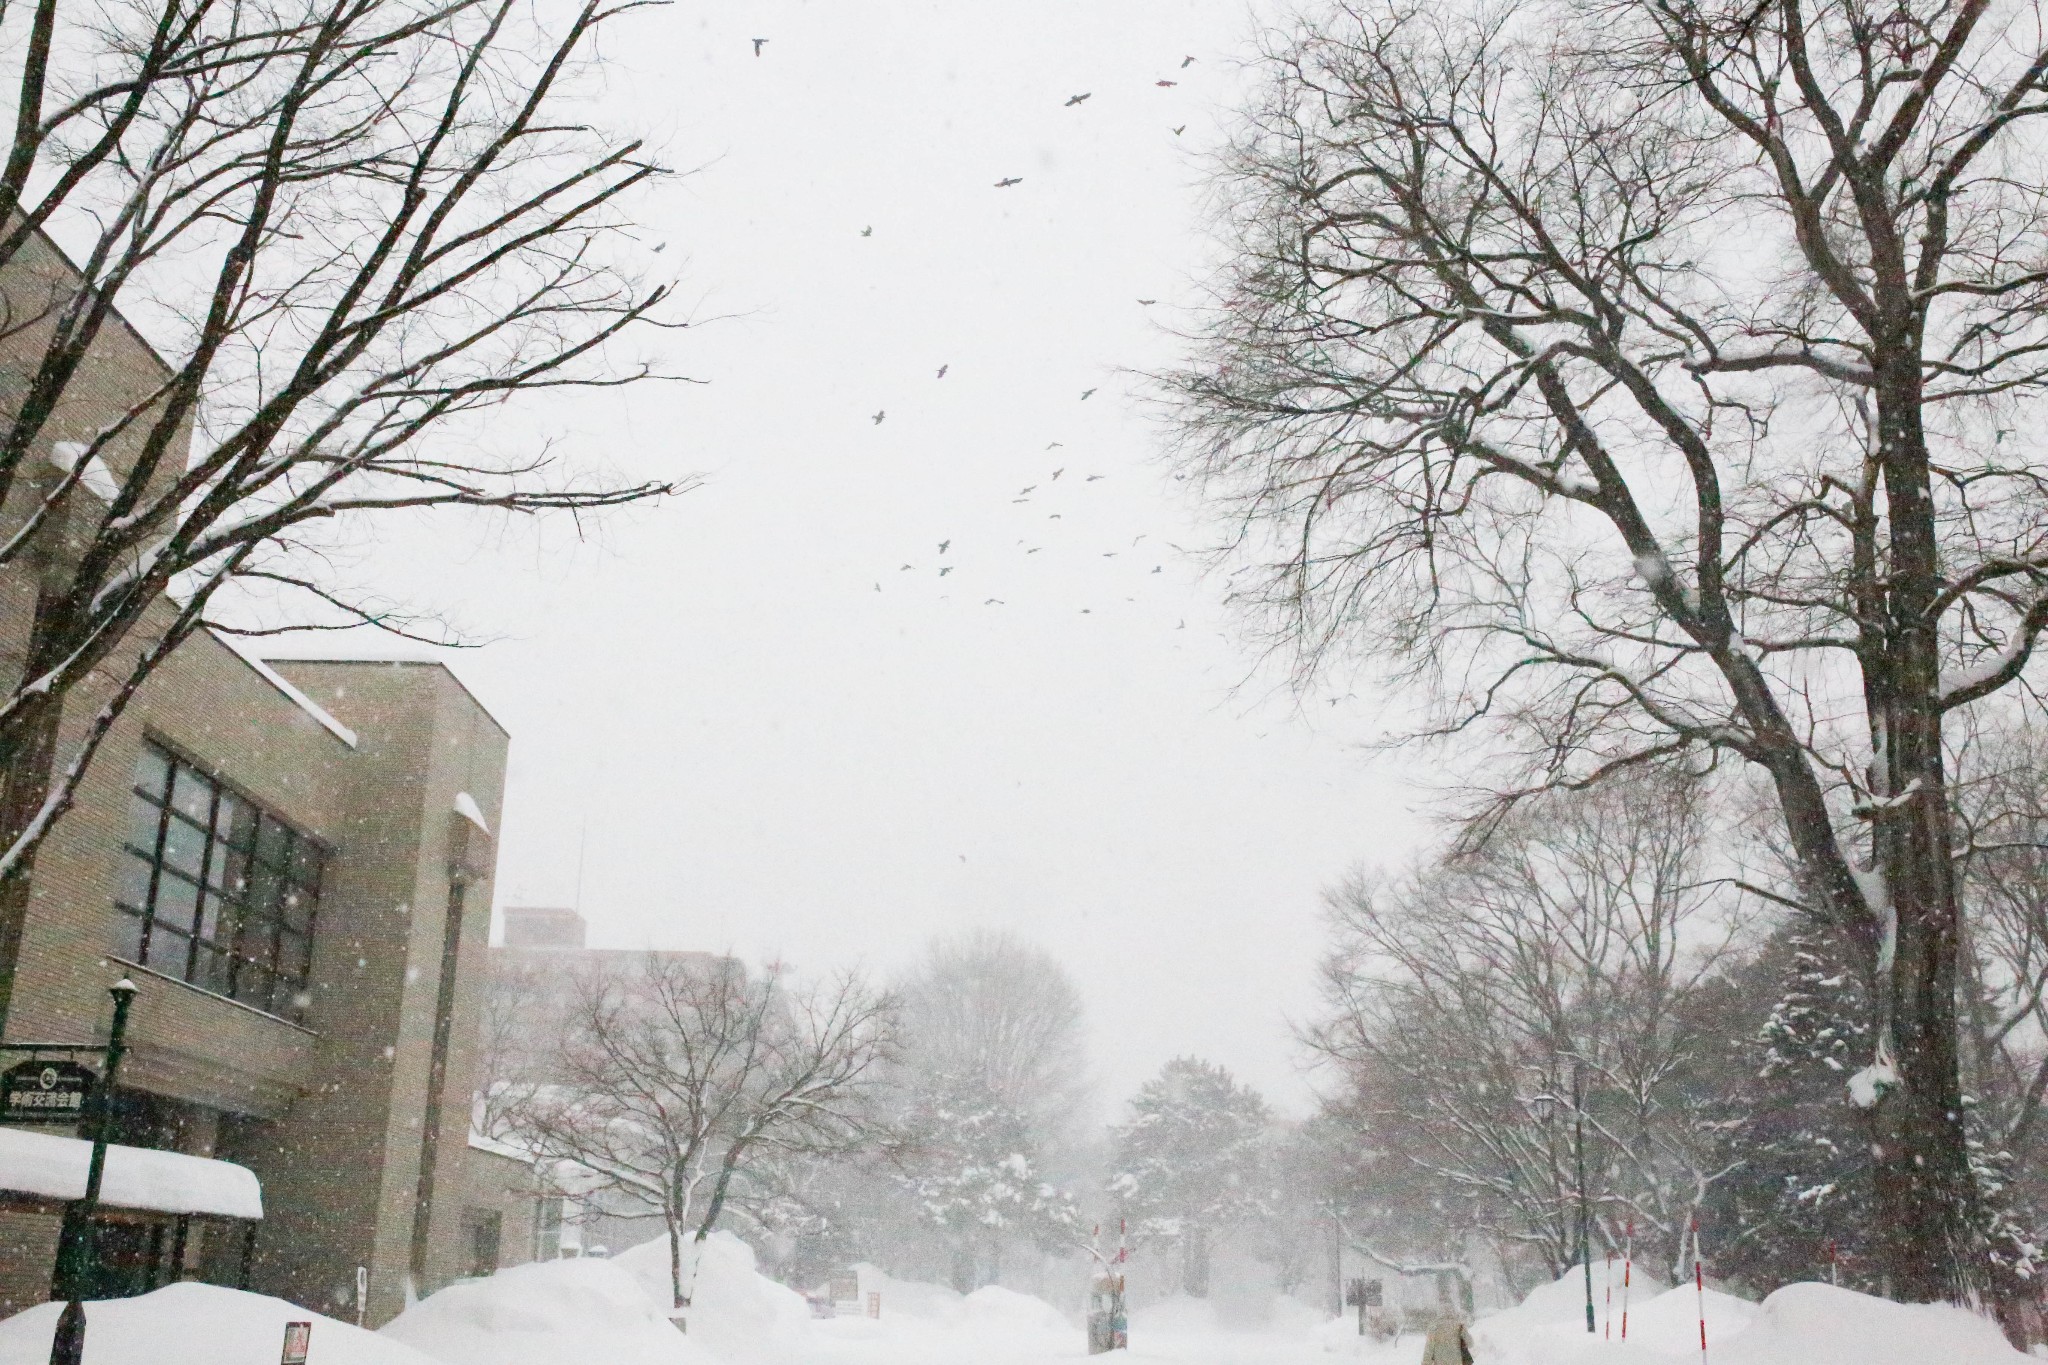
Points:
x=77, y=1257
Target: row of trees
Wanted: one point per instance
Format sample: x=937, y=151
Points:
x=1632, y=963
x=939, y=1126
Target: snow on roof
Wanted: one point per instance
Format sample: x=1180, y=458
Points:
x=136, y=1177
x=467, y=808
x=297, y=698
x=484, y=1142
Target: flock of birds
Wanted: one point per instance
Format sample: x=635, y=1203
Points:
x=1024, y=494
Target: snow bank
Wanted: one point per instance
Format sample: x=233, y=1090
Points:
x=1178, y=1316
x=197, y=1324
x=736, y=1312
x=910, y=1298
x=583, y=1312
x=997, y=1307
x=1801, y=1324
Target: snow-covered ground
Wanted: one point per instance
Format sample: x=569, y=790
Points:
x=598, y=1312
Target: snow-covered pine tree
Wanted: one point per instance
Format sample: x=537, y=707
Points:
x=1193, y=1161
x=972, y=1173
x=1802, y=1204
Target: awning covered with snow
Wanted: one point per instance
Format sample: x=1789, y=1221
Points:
x=50, y=1167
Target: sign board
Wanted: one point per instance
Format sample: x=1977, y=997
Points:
x=846, y=1289
x=874, y=1303
x=39, y=1091
x=298, y=1339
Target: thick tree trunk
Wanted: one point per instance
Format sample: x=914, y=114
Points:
x=1926, y=1187
x=28, y=750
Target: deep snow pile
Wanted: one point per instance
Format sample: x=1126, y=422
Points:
x=197, y=1324
x=1801, y=1324
x=610, y=1312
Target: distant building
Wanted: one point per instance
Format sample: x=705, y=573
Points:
x=293, y=862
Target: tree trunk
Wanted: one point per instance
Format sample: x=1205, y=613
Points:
x=28, y=750
x=1194, y=1262
x=1926, y=1188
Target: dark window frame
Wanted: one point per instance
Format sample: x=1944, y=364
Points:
x=257, y=878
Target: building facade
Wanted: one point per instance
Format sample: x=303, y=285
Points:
x=292, y=861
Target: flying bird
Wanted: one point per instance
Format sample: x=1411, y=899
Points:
x=1164, y=85
x=663, y=247
x=879, y=416
x=1093, y=477
x=943, y=572
x=1146, y=303
x=759, y=43
x=1057, y=472
x=1186, y=62
x=1085, y=394
x=1008, y=181
x=1155, y=568
x=1054, y=446
x=993, y=602
x=1026, y=492
x=943, y=544
x=906, y=568
x=1183, y=624
x=868, y=231
x=943, y=369
x=878, y=587
x=1182, y=129
x=1109, y=554
x=1054, y=517
x=1034, y=549
x=1074, y=100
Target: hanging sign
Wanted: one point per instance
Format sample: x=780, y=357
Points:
x=39, y=1091
x=298, y=1339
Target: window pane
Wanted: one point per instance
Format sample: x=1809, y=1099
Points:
x=273, y=842
x=169, y=951
x=212, y=913
x=252, y=985
x=152, y=770
x=226, y=868
x=184, y=846
x=143, y=816
x=127, y=935
x=237, y=820
x=177, y=903
x=133, y=891
x=210, y=969
x=298, y=909
x=266, y=890
x=306, y=864
x=294, y=952
x=192, y=794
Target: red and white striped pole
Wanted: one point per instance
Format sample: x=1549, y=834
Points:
x=1607, y=1312
x=1699, y=1284
x=1628, y=1267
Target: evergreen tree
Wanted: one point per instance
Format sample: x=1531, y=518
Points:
x=1193, y=1161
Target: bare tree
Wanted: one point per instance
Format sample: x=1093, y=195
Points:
x=674, y=1081
x=1649, y=376
x=352, y=227
x=989, y=1009
x=1475, y=1003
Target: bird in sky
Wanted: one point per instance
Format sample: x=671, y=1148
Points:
x=1087, y=611
x=1057, y=472
x=661, y=248
x=1093, y=477
x=878, y=587
x=868, y=231
x=1026, y=492
x=1054, y=517
x=1182, y=129
x=1135, y=540
x=1034, y=549
x=1146, y=303
x=1155, y=568
x=1165, y=84
x=1054, y=446
x=943, y=544
x=1186, y=62
x=759, y=43
x=1074, y=100
x=943, y=572
x=1085, y=393
x=1183, y=624
x=993, y=602
x=879, y=416
x=906, y=568
x=943, y=369
x=1109, y=554
x=1008, y=181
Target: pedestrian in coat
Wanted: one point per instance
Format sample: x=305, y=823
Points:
x=1448, y=1344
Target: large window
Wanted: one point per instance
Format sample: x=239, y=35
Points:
x=214, y=890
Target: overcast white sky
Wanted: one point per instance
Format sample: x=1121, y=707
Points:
x=753, y=747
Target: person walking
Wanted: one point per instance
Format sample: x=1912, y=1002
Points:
x=1448, y=1343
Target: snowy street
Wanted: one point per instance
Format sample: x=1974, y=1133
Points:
x=608, y=1312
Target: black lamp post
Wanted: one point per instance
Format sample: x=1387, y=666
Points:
x=77, y=1256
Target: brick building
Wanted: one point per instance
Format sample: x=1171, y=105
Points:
x=293, y=863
